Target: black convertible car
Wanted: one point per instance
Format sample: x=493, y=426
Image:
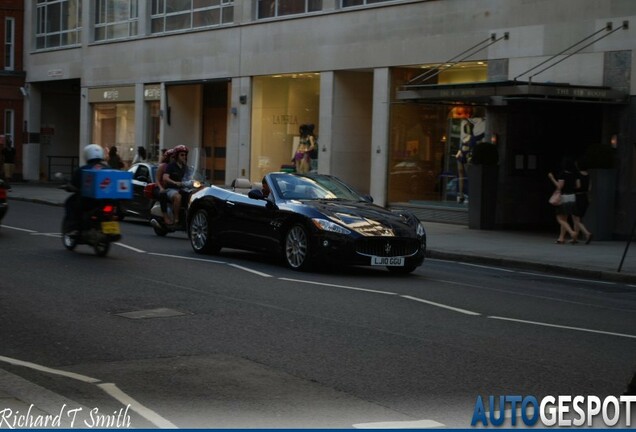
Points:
x=306, y=219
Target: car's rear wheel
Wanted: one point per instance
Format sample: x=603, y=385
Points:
x=297, y=248
x=199, y=233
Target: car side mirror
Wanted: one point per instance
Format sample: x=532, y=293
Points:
x=255, y=194
x=368, y=198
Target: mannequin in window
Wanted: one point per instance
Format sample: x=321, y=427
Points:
x=302, y=156
x=472, y=131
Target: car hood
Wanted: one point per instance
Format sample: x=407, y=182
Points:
x=365, y=218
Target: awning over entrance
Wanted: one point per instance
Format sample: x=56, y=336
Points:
x=502, y=92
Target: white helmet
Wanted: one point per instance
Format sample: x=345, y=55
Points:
x=93, y=151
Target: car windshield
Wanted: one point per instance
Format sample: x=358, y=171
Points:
x=316, y=187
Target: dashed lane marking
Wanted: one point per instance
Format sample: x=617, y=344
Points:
x=338, y=286
x=564, y=327
x=443, y=306
x=18, y=229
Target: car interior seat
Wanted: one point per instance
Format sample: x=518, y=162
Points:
x=241, y=185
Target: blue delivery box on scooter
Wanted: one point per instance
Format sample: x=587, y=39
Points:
x=107, y=184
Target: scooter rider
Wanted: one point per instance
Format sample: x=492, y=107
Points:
x=94, y=156
x=168, y=157
x=173, y=179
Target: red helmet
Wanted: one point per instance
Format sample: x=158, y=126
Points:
x=167, y=155
x=181, y=148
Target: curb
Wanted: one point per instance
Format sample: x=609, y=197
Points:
x=597, y=275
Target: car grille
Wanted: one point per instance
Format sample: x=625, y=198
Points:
x=387, y=246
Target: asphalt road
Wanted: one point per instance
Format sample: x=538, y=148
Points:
x=237, y=340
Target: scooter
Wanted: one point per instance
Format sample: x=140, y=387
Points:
x=156, y=214
x=99, y=225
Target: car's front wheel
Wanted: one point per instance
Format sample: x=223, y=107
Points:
x=199, y=233
x=297, y=248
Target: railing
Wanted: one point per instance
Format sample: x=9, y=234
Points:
x=62, y=164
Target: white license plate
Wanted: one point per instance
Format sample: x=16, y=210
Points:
x=387, y=261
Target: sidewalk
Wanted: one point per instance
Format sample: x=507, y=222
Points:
x=527, y=250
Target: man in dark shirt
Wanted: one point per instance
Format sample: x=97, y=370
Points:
x=173, y=179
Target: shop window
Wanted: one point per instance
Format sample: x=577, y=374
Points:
x=58, y=23
x=274, y=8
x=430, y=143
x=280, y=105
x=114, y=125
x=176, y=15
x=116, y=19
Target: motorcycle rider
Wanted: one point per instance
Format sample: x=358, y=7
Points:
x=173, y=179
x=94, y=156
x=167, y=158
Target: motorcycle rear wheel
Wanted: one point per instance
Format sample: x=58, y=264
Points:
x=102, y=248
x=68, y=241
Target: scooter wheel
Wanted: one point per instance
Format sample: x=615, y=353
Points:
x=102, y=248
x=68, y=241
x=158, y=228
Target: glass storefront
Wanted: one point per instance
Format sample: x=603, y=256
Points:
x=281, y=105
x=114, y=125
x=430, y=146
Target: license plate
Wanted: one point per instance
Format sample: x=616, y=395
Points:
x=110, y=228
x=387, y=261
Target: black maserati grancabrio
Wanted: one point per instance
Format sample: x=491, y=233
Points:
x=306, y=219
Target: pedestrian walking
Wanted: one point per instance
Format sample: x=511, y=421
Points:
x=566, y=182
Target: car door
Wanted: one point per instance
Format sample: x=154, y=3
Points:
x=250, y=222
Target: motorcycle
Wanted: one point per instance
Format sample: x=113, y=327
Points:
x=98, y=224
x=156, y=214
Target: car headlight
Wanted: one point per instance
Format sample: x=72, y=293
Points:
x=325, y=225
x=419, y=230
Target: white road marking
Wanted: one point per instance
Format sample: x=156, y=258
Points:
x=564, y=327
x=40, y=368
x=338, y=286
x=57, y=235
x=567, y=278
x=416, y=424
x=240, y=267
x=187, y=258
x=454, y=309
x=110, y=389
x=18, y=229
x=113, y=391
x=487, y=267
x=130, y=247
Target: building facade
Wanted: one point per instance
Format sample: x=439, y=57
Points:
x=12, y=76
x=398, y=92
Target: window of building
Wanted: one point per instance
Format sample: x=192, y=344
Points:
x=274, y=8
x=280, y=105
x=9, y=119
x=116, y=19
x=114, y=126
x=175, y=15
x=430, y=144
x=9, y=43
x=349, y=3
x=58, y=23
